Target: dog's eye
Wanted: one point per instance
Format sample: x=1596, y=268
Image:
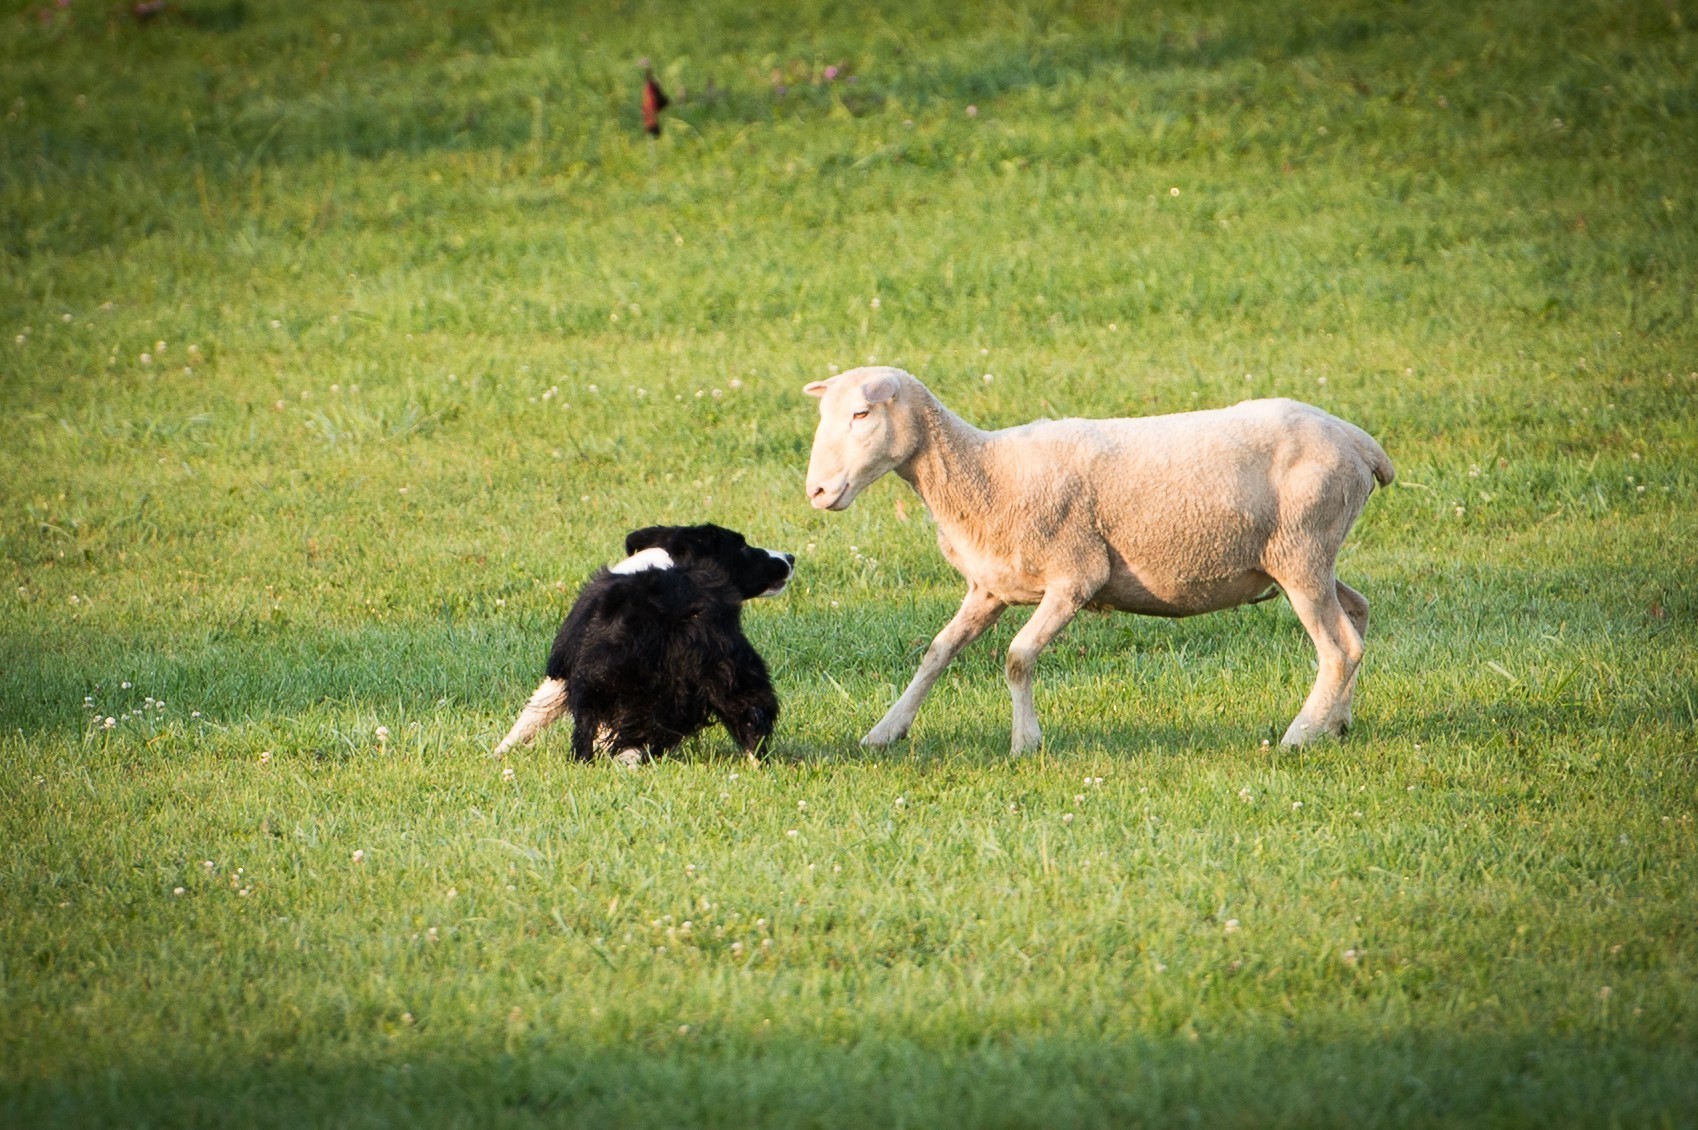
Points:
x=862, y=414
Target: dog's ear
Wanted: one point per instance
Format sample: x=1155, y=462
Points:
x=646, y=538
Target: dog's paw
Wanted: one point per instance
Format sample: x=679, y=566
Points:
x=630, y=758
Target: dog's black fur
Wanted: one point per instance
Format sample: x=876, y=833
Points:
x=648, y=658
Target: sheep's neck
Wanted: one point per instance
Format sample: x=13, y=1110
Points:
x=947, y=469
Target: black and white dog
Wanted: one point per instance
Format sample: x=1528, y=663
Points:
x=653, y=649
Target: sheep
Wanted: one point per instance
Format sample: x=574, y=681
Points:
x=1159, y=515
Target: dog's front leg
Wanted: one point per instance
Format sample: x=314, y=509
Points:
x=747, y=705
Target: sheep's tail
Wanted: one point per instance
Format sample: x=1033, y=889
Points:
x=1374, y=456
x=545, y=707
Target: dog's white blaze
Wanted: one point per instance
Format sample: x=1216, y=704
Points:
x=780, y=586
x=547, y=704
x=629, y=758
x=651, y=558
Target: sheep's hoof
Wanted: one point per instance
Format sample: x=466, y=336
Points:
x=878, y=737
x=1026, y=743
x=1302, y=733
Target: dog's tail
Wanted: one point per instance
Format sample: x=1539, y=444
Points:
x=545, y=708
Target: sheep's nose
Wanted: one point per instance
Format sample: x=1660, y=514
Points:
x=817, y=491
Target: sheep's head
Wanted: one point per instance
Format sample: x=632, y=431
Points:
x=862, y=434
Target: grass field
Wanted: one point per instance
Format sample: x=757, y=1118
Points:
x=341, y=342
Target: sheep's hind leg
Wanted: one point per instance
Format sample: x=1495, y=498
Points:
x=1355, y=607
x=1057, y=608
x=546, y=706
x=1338, y=647
x=979, y=610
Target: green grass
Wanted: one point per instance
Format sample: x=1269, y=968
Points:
x=345, y=493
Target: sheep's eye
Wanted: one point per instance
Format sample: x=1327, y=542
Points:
x=862, y=414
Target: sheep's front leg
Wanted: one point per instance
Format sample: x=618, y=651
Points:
x=1057, y=608
x=977, y=613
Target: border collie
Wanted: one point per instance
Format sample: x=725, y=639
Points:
x=653, y=650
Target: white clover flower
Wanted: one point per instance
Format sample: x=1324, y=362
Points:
x=109, y=723
x=359, y=855
x=1174, y=191
x=382, y=734
x=1231, y=926
x=1246, y=795
x=507, y=773
x=265, y=757
x=1067, y=818
x=792, y=833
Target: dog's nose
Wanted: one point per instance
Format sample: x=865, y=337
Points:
x=790, y=560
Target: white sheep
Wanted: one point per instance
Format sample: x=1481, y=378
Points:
x=1159, y=515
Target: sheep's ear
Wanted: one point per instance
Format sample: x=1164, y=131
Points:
x=815, y=389
x=880, y=389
